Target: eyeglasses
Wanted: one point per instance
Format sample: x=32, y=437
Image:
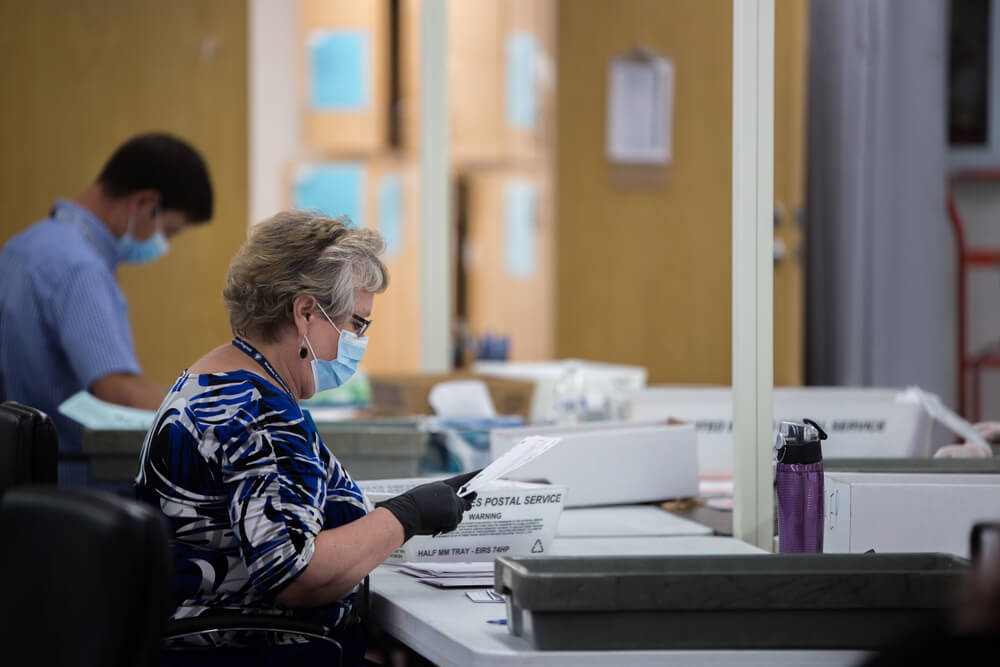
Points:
x=362, y=323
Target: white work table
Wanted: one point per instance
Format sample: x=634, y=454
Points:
x=450, y=630
x=625, y=520
x=650, y=546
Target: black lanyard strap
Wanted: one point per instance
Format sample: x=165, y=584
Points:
x=254, y=354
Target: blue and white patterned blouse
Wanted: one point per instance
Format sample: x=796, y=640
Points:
x=246, y=484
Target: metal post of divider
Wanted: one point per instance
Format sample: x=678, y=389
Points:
x=753, y=271
x=435, y=215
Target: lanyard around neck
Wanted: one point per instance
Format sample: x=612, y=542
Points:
x=254, y=354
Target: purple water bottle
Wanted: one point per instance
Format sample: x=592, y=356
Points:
x=799, y=482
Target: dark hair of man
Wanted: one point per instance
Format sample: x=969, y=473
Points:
x=163, y=163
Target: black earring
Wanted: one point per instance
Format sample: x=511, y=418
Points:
x=302, y=352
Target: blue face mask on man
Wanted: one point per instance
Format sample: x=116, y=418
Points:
x=350, y=350
x=142, y=252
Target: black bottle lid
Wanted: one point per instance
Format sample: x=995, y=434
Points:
x=799, y=442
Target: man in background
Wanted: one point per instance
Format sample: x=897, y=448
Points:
x=64, y=323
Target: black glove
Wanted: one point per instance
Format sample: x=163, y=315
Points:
x=430, y=508
x=457, y=481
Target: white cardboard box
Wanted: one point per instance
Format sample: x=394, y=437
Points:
x=611, y=463
x=906, y=512
x=507, y=519
x=861, y=422
x=601, y=386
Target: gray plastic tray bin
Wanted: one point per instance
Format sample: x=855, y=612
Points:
x=911, y=465
x=368, y=449
x=113, y=453
x=377, y=449
x=783, y=601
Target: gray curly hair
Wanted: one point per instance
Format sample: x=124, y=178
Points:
x=300, y=252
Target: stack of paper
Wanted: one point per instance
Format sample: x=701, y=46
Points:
x=718, y=491
x=95, y=414
x=525, y=451
x=451, y=575
x=937, y=410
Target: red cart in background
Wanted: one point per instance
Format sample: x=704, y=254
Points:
x=970, y=258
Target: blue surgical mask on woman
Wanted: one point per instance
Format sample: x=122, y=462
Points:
x=350, y=351
x=142, y=252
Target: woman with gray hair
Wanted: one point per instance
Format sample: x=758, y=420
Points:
x=263, y=517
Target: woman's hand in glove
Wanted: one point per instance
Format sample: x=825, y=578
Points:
x=430, y=508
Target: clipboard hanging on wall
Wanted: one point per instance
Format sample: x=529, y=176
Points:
x=639, y=119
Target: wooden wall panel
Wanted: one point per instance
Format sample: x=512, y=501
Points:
x=643, y=275
x=81, y=77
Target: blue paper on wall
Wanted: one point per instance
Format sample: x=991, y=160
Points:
x=332, y=189
x=520, y=229
x=339, y=70
x=521, y=99
x=390, y=212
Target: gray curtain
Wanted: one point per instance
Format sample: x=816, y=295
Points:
x=880, y=267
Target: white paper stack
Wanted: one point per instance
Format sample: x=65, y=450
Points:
x=95, y=414
x=525, y=451
x=451, y=575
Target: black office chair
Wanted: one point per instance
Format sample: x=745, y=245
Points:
x=87, y=578
x=220, y=623
x=29, y=446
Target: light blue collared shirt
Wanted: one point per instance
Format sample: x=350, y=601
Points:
x=63, y=318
